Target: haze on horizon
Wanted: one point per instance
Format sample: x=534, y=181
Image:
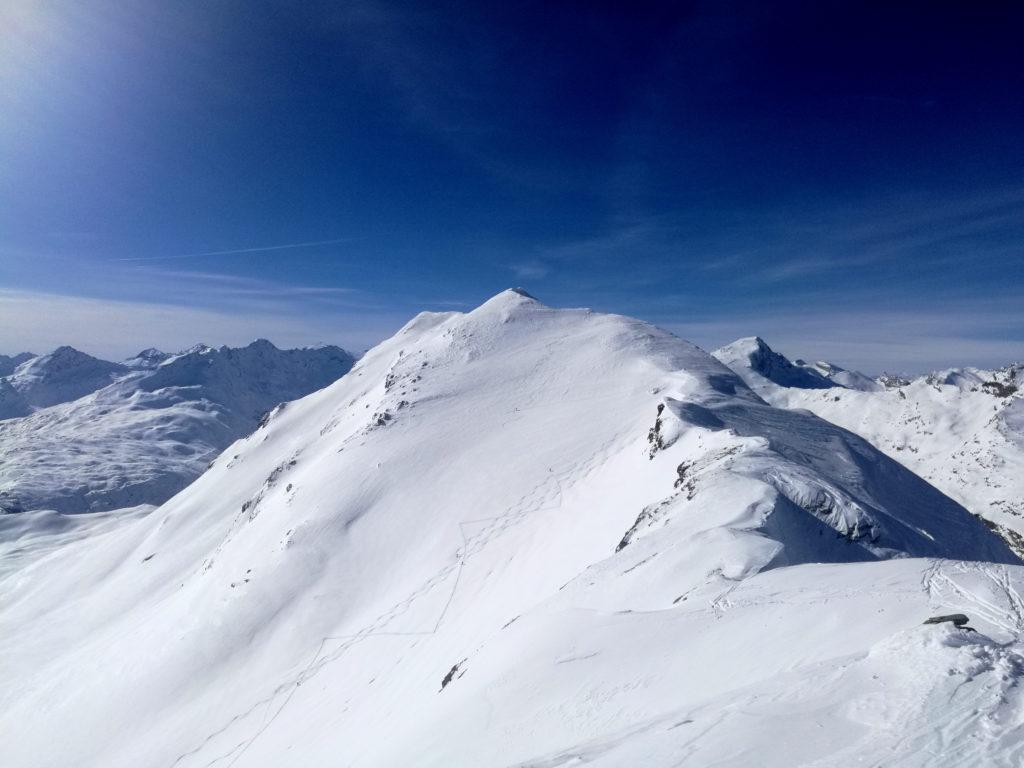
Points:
x=843, y=181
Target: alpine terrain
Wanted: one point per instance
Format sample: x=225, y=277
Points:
x=97, y=436
x=960, y=429
x=519, y=536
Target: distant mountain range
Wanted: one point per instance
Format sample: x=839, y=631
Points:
x=83, y=434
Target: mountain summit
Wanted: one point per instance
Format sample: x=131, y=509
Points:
x=64, y=374
x=759, y=363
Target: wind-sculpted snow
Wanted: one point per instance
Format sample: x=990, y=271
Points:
x=523, y=536
x=144, y=437
x=960, y=429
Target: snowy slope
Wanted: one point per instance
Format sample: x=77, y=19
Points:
x=9, y=362
x=147, y=359
x=768, y=367
x=64, y=374
x=960, y=429
x=523, y=536
x=147, y=435
x=842, y=377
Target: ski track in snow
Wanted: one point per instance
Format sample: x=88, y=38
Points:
x=541, y=498
x=936, y=582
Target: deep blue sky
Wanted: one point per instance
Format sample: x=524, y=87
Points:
x=844, y=179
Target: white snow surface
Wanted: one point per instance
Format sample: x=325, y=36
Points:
x=522, y=537
x=961, y=429
x=148, y=434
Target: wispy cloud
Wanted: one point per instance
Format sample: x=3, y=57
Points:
x=241, y=285
x=898, y=240
x=530, y=270
x=237, y=251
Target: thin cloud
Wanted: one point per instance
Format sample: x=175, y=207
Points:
x=530, y=270
x=254, y=249
x=243, y=285
x=117, y=329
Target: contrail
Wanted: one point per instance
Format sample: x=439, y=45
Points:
x=259, y=249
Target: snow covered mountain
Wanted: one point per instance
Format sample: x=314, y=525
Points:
x=147, y=359
x=763, y=369
x=9, y=362
x=145, y=436
x=766, y=367
x=521, y=537
x=64, y=374
x=842, y=377
x=960, y=429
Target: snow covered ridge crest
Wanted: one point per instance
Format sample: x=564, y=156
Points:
x=522, y=536
x=961, y=429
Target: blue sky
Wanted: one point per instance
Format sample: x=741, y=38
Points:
x=843, y=179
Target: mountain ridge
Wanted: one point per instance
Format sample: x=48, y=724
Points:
x=961, y=429
x=145, y=435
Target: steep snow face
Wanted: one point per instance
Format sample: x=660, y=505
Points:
x=521, y=536
x=144, y=437
x=9, y=362
x=960, y=429
x=768, y=367
x=762, y=367
x=63, y=375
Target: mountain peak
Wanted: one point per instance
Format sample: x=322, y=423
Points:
x=262, y=344
x=64, y=374
x=66, y=350
x=509, y=300
x=755, y=361
x=752, y=343
x=759, y=365
x=62, y=357
x=512, y=296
